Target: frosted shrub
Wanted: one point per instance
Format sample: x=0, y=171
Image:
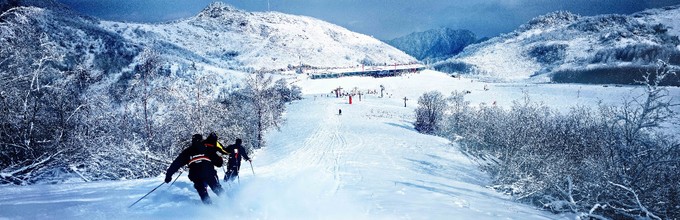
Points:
x=453, y=67
x=560, y=162
x=613, y=162
x=550, y=20
x=459, y=113
x=72, y=124
x=548, y=53
x=430, y=112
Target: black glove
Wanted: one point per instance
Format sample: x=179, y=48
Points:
x=168, y=178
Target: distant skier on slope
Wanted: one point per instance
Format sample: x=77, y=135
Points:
x=236, y=152
x=200, y=160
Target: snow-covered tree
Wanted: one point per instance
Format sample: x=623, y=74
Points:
x=144, y=93
x=430, y=112
x=266, y=103
x=458, y=113
x=612, y=163
x=257, y=106
x=645, y=154
x=288, y=94
x=35, y=105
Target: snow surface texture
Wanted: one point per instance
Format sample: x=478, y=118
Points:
x=561, y=42
x=261, y=40
x=368, y=163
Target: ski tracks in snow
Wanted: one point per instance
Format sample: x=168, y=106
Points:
x=322, y=149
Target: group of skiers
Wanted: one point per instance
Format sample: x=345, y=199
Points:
x=201, y=157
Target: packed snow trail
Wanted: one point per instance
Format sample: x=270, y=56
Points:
x=368, y=163
x=373, y=159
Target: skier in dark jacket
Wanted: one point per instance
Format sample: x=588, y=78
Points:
x=214, y=145
x=236, y=152
x=200, y=160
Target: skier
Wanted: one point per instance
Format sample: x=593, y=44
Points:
x=200, y=160
x=214, y=145
x=339, y=111
x=236, y=152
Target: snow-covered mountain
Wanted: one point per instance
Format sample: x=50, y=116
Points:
x=28, y=30
x=49, y=4
x=564, y=47
x=220, y=36
x=229, y=37
x=435, y=44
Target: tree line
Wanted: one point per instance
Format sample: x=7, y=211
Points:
x=63, y=120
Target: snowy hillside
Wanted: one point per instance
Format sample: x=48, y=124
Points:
x=232, y=38
x=667, y=16
x=27, y=31
x=434, y=44
x=368, y=163
x=565, y=47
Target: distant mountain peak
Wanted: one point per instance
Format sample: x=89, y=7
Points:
x=218, y=9
x=434, y=44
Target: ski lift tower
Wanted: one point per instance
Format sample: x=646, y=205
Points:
x=338, y=91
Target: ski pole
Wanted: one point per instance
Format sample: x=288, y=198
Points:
x=237, y=176
x=140, y=199
x=251, y=167
x=176, y=178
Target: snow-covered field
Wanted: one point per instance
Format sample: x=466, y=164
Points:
x=368, y=163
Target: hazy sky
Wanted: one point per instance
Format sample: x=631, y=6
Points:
x=383, y=19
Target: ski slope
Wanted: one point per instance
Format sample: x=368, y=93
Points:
x=368, y=163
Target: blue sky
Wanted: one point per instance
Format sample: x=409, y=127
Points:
x=383, y=19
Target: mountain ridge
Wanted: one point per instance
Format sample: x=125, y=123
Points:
x=434, y=44
x=269, y=41
x=565, y=47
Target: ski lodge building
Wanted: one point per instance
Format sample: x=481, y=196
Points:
x=374, y=71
